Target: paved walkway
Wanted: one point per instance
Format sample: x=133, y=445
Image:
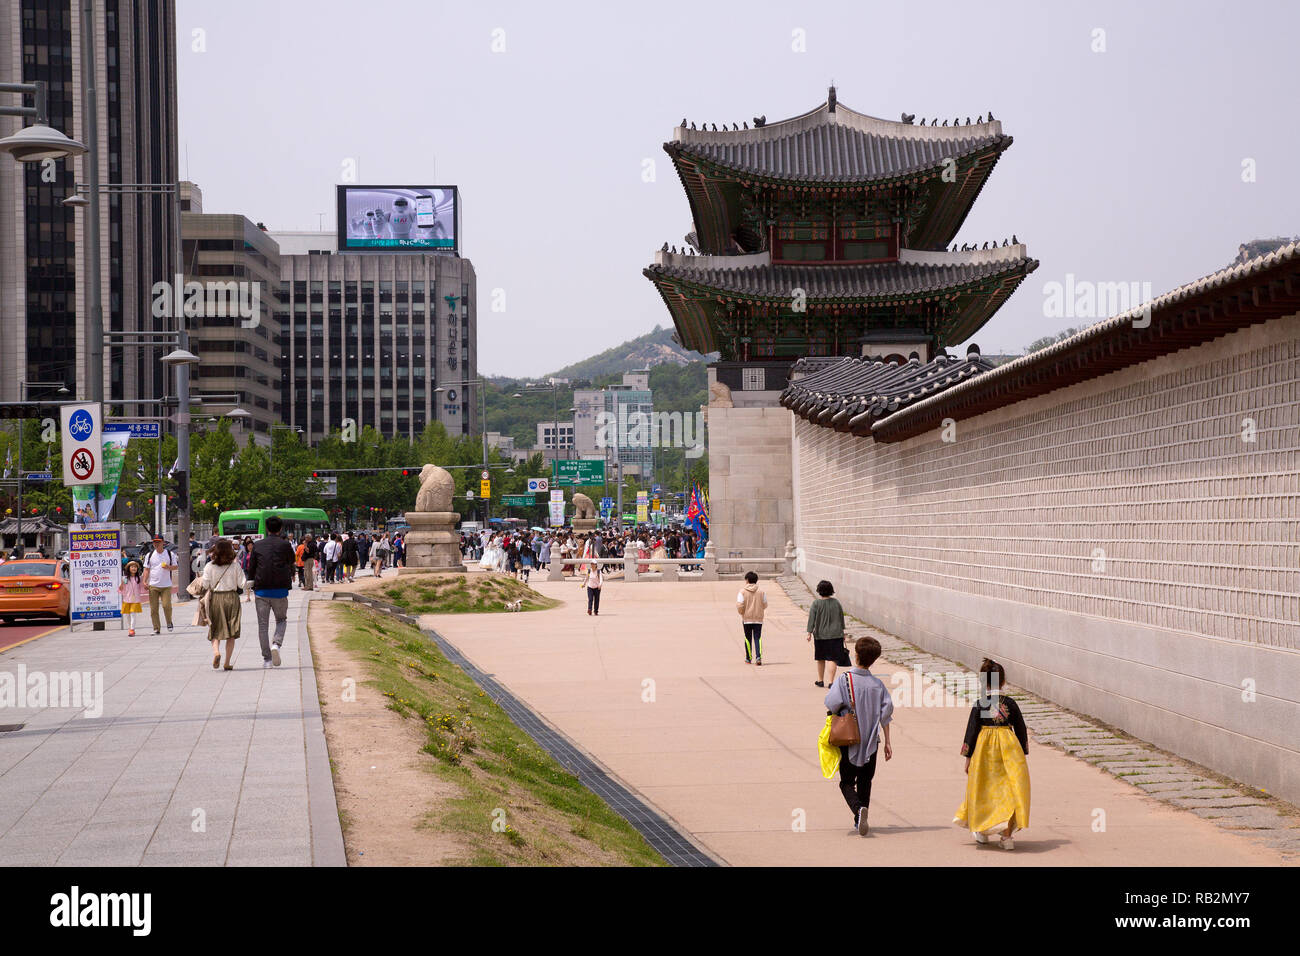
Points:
x=184, y=766
x=657, y=690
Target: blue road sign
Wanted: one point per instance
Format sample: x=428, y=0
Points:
x=38, y=476
x=606, y=503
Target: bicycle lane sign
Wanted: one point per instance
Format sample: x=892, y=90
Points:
x=83, y=443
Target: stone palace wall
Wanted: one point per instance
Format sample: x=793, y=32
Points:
x=1127, y=546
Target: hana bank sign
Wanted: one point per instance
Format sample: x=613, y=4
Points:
x=205, y=300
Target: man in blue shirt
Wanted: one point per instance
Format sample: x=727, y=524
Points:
x=271, y=567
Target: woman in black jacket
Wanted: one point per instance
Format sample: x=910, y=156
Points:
x=350, y=556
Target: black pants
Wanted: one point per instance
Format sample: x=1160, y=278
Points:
x=753, y=639
x=855, y=782
x=593, y=600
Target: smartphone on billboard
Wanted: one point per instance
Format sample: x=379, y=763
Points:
x=425, y=217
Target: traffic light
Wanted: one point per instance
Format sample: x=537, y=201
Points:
x=406, y=472
x=315, y=474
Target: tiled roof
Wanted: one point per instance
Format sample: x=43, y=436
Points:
x=913, y=274
x=851, y=393
x=836, y=144
x=1258, y=290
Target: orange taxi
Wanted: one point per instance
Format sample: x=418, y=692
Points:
x=34, y=587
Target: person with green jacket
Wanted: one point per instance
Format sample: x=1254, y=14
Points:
x=826, y=631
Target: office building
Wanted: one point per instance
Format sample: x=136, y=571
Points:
x=602, y=413
x=370, y=337
x=43, y=295
x=547, y=442
x=237, y=337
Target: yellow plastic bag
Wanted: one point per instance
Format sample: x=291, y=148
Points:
x=830, y=755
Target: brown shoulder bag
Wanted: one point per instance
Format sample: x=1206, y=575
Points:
x=844, y=727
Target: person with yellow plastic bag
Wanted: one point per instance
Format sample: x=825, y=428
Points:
x=860, y=693
x=827, y=752
x=997, y=775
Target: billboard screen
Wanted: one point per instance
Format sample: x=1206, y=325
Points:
x=399, y=218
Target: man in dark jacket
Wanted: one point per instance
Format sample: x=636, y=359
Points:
x=271, y=568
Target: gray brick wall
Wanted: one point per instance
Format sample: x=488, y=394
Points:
x=1113, y=542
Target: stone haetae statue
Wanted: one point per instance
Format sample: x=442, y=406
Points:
x=582, y=506
x=436, y=488
x=432, y=543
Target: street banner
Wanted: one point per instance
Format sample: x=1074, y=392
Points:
x=115, y=439
x=557, y=494
x=95, y=562
x=82, y=444
x=557, y=513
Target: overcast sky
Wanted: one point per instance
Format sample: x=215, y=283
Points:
x=1127, y=164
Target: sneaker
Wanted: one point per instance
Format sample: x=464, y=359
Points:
x=758, y=663
x=275, y=654
x=862, y=822
x=981, y=838
x=131, y=633
x=266, y=663
x=169, y=627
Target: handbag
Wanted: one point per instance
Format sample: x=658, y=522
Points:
x=195, y=587
x=844, y=727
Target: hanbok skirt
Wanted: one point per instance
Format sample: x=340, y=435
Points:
x=997, y=784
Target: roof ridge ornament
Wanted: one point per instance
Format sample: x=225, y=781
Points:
x=830, y=99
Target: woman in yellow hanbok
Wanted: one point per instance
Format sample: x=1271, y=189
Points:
x=997, y=775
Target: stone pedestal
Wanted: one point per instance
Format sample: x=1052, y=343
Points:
x=432, y=544
x=583, y=525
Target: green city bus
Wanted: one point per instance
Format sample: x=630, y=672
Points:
x=251, y=522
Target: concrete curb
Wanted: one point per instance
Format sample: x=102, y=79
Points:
x=322, y=804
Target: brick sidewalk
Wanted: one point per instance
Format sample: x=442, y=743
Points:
x=185, y=765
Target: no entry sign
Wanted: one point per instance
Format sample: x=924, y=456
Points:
x=83, y=444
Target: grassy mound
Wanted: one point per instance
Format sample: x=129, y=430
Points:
x=517, y=805
x=462, y=594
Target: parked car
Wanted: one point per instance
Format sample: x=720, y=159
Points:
x=34, y=587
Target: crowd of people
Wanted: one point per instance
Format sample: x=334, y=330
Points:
x=995, y=744
x=521, y=552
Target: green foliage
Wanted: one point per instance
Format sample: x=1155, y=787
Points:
x=653, y=348
x=1045, y=341
x=497, y=771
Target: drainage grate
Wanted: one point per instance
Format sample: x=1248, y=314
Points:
x=658, y=832
x=10, y=728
